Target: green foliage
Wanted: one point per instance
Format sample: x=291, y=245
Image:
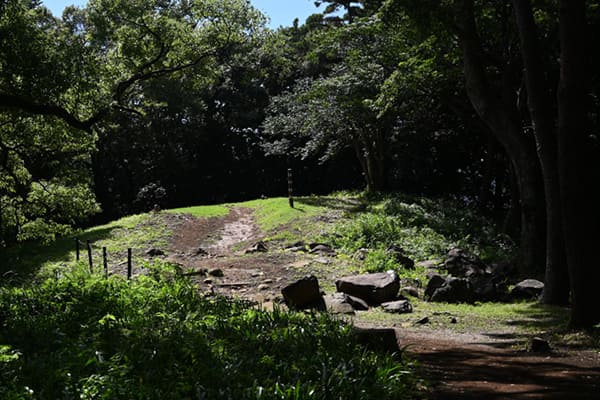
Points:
x=158, y=338
x=425, y=229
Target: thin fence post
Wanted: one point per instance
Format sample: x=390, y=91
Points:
x=129, y=263
x=89, y=250
x=105, y=261
x=76, y=249
x=290, y=187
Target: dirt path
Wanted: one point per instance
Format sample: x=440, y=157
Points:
x=462, y=367
x=458, y=366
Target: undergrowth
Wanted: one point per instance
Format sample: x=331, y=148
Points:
x=89, y=337
x=424, y=228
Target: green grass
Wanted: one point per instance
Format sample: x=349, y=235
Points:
x=202, y=211
x=30, y=260
x=424, y=228
x=84, y=336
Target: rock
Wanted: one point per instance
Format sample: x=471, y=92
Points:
x=322, y=260
x=455, y=290
x=201, y=271
x=154, y=252
x=304, y=294
x=208, y=281
x=373, y=288
x=527, y=289
x=361, y=254
x=397, y=307
x=430, y=264
x=423, y=321
x=436, y=281
x=356, y=303
x=217, y=273
x=200, y=252
x=538, y=345
x=323, y=249
x=262, y=287
x=259, y=247
x=463, y=264
x=337, y=303
x=377, y=339
x=268, y=281
x=485, y=289
x=409, y=291
x=297, y=246
x=400, y=256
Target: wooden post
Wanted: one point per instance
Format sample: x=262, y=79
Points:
x=89, y=250
x=129, y=263
x=290, y=187
x=76, y=249
x=104, y=261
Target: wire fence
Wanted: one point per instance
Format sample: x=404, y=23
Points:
x=88, y=248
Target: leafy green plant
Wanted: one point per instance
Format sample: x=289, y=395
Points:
x=157, y=337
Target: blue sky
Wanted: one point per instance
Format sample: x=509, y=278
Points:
x=281, y=12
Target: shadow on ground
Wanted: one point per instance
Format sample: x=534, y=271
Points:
x=493, y=374
x=21, y=262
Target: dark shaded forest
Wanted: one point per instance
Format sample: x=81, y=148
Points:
x=114, y=108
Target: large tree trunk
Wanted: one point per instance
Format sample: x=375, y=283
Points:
x=556, y=289
x=502, y=117
x=578, y=168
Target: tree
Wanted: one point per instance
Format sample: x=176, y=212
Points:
x=66, y=77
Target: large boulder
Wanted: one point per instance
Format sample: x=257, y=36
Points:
x=455, y=290
x=436, y=281
x=373, y=288
x=463, y=264
x=527, y=289
x=304, y=294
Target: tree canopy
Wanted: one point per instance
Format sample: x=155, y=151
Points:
x=115, y=107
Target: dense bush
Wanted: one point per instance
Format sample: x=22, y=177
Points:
x=424, y=228
x=157, y=337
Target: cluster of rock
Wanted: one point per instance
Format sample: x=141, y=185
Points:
x=469, y=280
x=354, y=293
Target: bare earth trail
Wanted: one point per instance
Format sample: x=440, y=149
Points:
x=457, y=366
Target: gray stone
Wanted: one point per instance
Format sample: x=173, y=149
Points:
x=527, y=289
x=455, y=290
x=263, y=286
x=299, y=246
x=154, y=252
x=373, y=288
x=323, y=250
x=430, y=264
x=356, y=303
x=304, y=294
x=259, y=247
x=361, y=254
x=200, y=252
x=337, y=303
x=217, y=273
x=436, y=281
x=409, y=291
x=463, y=264
x=397, y=307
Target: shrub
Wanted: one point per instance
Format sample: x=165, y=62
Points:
x=157, y=337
